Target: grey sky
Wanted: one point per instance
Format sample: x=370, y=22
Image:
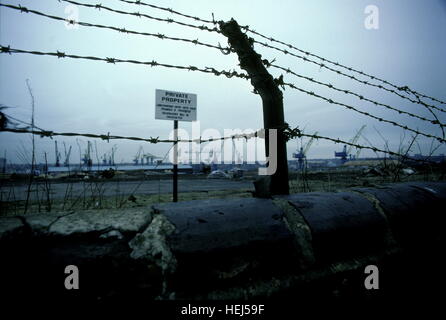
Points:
x=96, y=97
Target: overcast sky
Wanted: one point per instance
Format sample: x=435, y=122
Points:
x=83, y=96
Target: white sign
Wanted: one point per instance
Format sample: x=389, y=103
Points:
x=171, y=105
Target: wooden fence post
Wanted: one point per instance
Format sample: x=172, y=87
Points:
x=272, y=98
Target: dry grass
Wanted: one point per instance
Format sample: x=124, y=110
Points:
x=328, y=181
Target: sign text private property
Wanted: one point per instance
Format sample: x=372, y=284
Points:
x=172, y=105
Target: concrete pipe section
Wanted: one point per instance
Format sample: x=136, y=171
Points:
x=301, y=246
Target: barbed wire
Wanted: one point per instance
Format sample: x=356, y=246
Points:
x=196, y=42
x=331, y=101
x=193, y=68
x=170, y=10
x=294, y=133
x=358, y=146
x=228, y=74
x=290, y=46
x=107, y=137
x=399, y=88
x=322, y=65
x=224, y=50
x=153, y=63
x=359, y=96
x=142, y=15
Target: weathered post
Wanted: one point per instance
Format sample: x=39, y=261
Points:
x=272, y=98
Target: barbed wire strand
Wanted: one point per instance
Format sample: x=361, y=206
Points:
x=290, y=46
x=108, y=137
x=399, y=88
x=359, y=96
x=331, y=101
x=228, y=74
x=322, y=65
x=142, y=15
x=170, y=10
x=225, y=50
x=436, y=121
x=59, y=54
x=246, y=136
x=358, y=146
x=161, y=36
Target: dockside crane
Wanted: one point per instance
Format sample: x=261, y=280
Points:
x=197, y=156
x=345, y=153
x=301, y=156
x=57, y=155
x=66, y=162
x=235, y=153
x=87, y=156
x=137, y=157
x=104, y=159
x=111, y=160
x=150, y=158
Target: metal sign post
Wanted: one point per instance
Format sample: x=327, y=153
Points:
x=175, y=161
x=176, y=106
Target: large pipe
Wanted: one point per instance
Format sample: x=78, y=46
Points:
x=292, y=245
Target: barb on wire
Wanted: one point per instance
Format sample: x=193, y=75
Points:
x=359, y=96
x=225, y=50
x=331, y=101
x=325, y=66
x=404, y=89
x=142, y=15
x=228, y=74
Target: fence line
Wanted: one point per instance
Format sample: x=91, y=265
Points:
x=228, y=74
x=170, y=10
x=331, y=101
x=107, y=137
x=308, y=53
x=224, y=50
x=142, y=15
x=322, y=65
x=399, y=88
x=59, y=54
x=121, y=30
x=292, y=133
x=361, y=97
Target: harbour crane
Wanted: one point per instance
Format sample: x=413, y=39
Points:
x=211, y=155
x=197, y=156
x=301, y=156
x=150, y=158
x=235, y=153
x=66, y=162
x=57, y=155
x=104, y=159
x=87, y=156
x=137, y=157
x=346, y=151
x=111, y=160
x=358, y=151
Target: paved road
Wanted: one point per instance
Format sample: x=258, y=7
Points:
x=111, y=188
